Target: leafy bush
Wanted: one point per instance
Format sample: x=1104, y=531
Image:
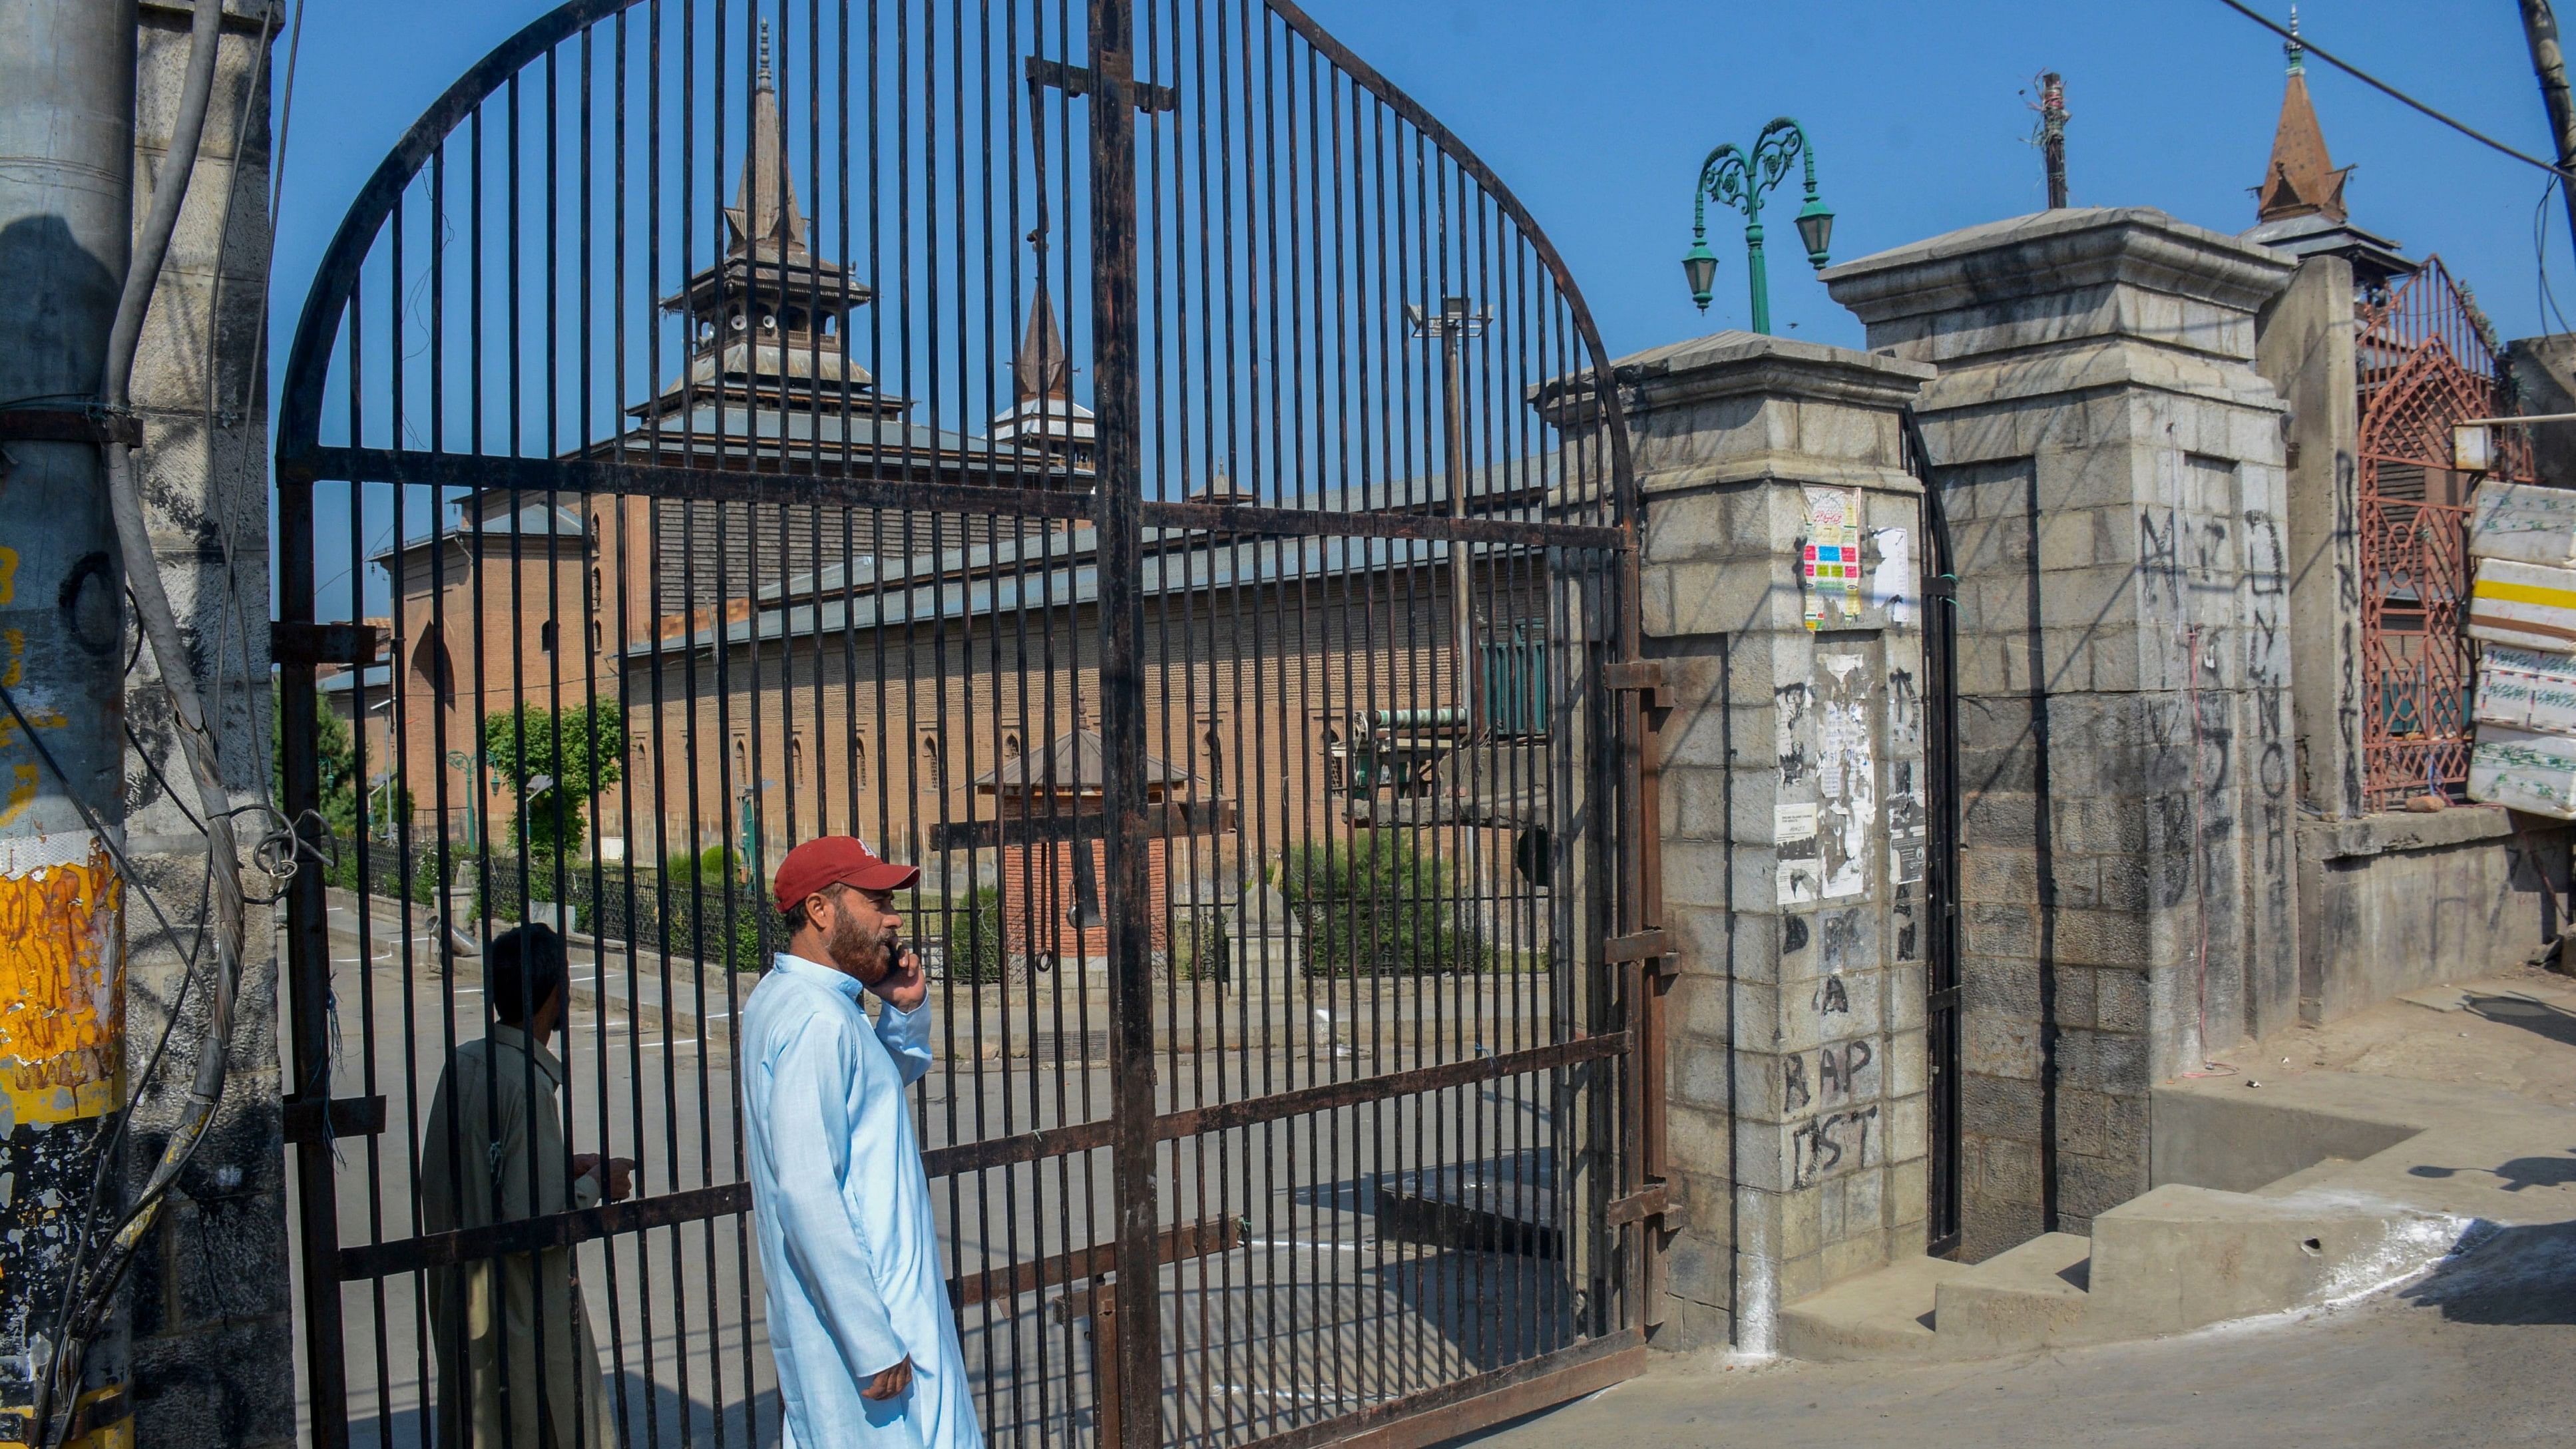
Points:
x=1199, y=951
x=974, y=938
x=1377, y=905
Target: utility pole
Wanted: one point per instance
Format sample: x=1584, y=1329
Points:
x=2052, y=134
x=66, y=228
x=2540, y=28
x=1452, y=324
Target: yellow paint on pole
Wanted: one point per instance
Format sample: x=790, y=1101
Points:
x=62, y=967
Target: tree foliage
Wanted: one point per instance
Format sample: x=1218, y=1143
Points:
x=335, y=759
x=1376, y=904
x=554, y=763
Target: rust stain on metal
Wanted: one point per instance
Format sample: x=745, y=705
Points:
x=61, y=1006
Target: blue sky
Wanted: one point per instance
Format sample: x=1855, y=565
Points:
x=1598, y=115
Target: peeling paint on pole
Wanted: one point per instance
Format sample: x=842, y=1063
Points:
x=62, y=1070
x=61, y=975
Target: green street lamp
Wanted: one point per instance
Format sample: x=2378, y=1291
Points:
x=1736, y=178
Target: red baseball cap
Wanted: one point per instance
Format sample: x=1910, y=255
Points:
x=830, y=860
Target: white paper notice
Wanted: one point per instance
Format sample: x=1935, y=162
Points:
x=1800, y=877
x=1891, y=580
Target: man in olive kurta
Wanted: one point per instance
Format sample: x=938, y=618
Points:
x=518, y=1367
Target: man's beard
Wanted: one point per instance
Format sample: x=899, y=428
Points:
x=863, y=953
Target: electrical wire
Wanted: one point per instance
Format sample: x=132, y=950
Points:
x=2540, y=254
x=2392, y=92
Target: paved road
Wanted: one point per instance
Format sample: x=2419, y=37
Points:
x=1312, y=1316
x=2480, y=1353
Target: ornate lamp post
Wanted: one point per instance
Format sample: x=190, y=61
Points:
x=1736, y=178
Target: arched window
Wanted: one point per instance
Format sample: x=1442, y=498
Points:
x=597, y=638
x=795, y=766
x=546, y=637
x=598, y=587
x=934, y=766
x=1010, y=748
x=741, y=765
x=430, y=669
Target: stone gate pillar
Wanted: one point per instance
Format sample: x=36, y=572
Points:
x=2113, y=469
x=1780, y=559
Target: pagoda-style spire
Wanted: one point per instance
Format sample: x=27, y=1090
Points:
x=764, y=208
x=1041, y=369
x=2302, y=179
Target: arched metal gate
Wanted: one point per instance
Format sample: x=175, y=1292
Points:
x=1121, y=460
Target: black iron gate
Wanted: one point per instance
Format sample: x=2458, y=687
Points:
x=683, y=454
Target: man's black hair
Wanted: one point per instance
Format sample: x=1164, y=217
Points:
x=526, y=966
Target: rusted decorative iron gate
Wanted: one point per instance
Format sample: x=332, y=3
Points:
x=2426, y=362
x=682, y=455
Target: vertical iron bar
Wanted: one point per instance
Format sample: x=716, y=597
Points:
x=1119, y=529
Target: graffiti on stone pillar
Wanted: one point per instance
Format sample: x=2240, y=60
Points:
x=1826, y=1144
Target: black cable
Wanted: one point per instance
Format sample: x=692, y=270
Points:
x=136, y=883
x=2392, y=92
x=2540, y=255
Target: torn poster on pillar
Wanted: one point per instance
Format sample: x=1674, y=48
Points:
x=1793, y=831
x=1908, y=828
x=1846, y=774
x=1891, y=578
x=1829, y=566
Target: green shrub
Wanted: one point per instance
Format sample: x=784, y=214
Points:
x=1199, y=951
x=1377, y=905
x=973, y=936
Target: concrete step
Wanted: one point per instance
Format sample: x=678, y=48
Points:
x=2027, y=1297
x=1886, y=1314
x=2309, y=1176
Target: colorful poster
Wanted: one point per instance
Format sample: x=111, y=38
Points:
x=1829, y=565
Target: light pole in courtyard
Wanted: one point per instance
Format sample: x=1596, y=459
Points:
x=1737, y=178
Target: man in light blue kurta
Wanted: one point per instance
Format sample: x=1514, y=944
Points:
x=859, y=1322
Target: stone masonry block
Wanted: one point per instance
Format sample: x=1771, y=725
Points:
x=1907, y=1127
x=2102, y=1061
x=1997, y=819
x=2000, y=1107
x=2102, y=938
x=2000, y=929
x=1905, y=1001
x=1907, y=1064
x=2000, y=1046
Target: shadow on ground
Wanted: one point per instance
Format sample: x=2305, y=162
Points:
x=2516, y=1173
x=2553, y=1022
x=656, y=1415
x=2513, y=1276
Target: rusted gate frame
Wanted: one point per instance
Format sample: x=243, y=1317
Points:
x=2426, y=360
x=1616, y=1028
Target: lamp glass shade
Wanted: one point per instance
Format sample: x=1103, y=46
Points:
x=1699, y=267
x=1816, y=229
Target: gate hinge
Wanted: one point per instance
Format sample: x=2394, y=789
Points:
x=299, y=643
x=1645, y=676
x=1076, y=80
x=1654, y=947
x=1650, y=1201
